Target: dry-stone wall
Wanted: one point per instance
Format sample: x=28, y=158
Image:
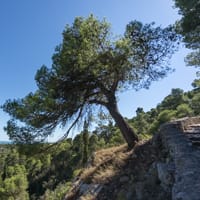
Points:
x=182, y=164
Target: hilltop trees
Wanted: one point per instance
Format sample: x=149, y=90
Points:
x=89, y=70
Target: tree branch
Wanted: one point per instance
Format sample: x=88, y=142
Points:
x=66, y=134
x=72, y=125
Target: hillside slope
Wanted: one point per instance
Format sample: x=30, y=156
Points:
x=163, y=168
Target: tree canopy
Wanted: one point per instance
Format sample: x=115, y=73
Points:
x=90, y=67
x=189, y=27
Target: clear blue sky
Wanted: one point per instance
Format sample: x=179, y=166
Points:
x=31, y=29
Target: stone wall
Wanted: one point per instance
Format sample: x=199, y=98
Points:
x=181, y=167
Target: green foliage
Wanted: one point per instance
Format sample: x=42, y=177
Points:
x=177, y=104
x=116, y=139
x=85, y=143
x=184, y=110
x=173, y=100
x=196, y=83
x=166, y=116
x=89, y=70
x=48, y=175
x=140, y=122
x=108, y=134
x=189, y=27
x=13, y=180
x=59, y=192
x=90, y=67
x=190, y=17
x=93, y=143
x=195, y=104
x=105, y=131
x=25, y=176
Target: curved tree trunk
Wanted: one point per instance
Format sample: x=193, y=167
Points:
x=127, y=132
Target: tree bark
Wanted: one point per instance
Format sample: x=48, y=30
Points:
x=127, y=132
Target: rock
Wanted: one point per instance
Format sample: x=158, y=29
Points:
x=134, y=155
x=152, y=174
x=185, y=157
x=95, y=189
x=121, y=195
x=83, y=188
x=89, y=190
x=130, y=194
x=165, y=174
x=124, y=179
x=139, y=190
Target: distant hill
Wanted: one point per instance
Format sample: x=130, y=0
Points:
x=5, y=142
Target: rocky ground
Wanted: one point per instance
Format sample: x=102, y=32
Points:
x=118, y=173
x=163, y=168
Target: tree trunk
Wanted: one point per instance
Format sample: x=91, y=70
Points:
x=127, y=132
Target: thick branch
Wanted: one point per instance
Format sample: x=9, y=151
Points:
x=115, y=85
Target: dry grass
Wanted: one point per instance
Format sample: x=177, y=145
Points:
x=103, y=176
x=87, y=197
x=106, y=154
x=106, y=164
x=88, y=172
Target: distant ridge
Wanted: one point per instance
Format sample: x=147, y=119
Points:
x=5, y=142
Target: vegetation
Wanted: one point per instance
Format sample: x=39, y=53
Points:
x=89, y=69
x=178, y=104
x=189, y=27
x=25, y=174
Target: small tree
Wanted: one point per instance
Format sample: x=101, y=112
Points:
x=89, y=70
x=140, y=122
x=15, y=184
x=85, y=143
x=184, y=110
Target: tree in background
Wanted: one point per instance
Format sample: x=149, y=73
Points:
x=89, y=70
x=13, y=177
x=189, y=27
x=174, y=99
x=85, y=143
x=78, y=149
x=140, y=121
x=196, y=83
x=105, y=131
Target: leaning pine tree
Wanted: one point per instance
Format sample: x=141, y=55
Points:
x=89, y=70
